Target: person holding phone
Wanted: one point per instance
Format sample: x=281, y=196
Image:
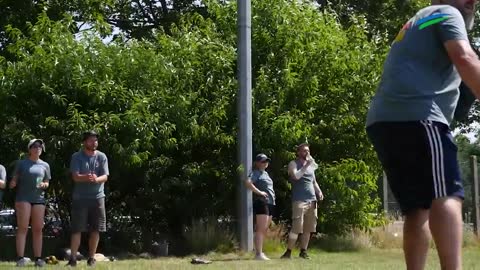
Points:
x=89, y=168
x=30, y=178
x=305, y=193
x=260, y=183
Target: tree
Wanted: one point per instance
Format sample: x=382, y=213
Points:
x=165, y=109
x=134, y=18
x=383, y=16
x=466, y=149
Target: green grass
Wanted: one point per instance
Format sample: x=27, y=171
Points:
x=370, y=259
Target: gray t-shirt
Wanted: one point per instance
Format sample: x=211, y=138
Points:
x=262, y=181
x=83, y=164
x=303, y=189
x=3, y=177
x=29, y=175
x=419, y=81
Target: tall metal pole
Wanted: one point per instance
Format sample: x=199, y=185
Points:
x=245, y=121
x=385, y=193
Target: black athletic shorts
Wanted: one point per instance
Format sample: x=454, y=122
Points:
x=262, y=208
x=420, y=160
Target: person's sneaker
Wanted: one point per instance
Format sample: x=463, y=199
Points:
x=39, y=263
x=304, y=255
x=72, y=263
x=262, y=257
x=22, y=262
x=91, y=262
x=287, y=254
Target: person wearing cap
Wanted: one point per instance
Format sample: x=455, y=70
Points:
x=260, y=183
x=30, y=178
x=89, y=169
x=305, y=193
x=408, y=124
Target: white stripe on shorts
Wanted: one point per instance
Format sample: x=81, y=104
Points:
x=438, y=168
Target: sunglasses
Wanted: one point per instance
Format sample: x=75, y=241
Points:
x=36, y=146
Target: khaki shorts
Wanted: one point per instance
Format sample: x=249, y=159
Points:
x=304, y=217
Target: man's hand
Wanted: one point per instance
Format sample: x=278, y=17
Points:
x=264, y=194
x=13, y=183
x=92, y=178
x=320, y=196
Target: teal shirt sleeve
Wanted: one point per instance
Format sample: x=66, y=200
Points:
x=47, y=175
x=451, y=24
x=18, y=169
x=104, y=166
x=74, y=164
x=253, y=176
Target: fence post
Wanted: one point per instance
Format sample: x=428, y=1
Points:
x=475, y=196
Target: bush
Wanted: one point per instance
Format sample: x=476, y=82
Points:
x=353, y=241
x=209, y=234
x=351, y=200
x=274, y=242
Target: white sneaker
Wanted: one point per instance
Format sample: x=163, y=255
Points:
x=262, y=257
x=22, y=262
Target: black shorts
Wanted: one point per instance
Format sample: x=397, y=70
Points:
x=88, y=216
x=262, y=208
x=32, y=203
x=420, y=160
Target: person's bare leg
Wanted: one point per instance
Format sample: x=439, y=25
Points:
x=304, y=240
x=38, y=214
x=416, y=239
x=446, y=226
x=292, y=240
x=260, y=228
x=93, y=240
x=23, y=211
x=75, y=244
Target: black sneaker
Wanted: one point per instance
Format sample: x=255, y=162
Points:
x=304, y=255
x=91, y=262
x=39, y=262
x=287, y=254
x=72, y=263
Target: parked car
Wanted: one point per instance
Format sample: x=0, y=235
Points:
x=7, y=222
x=52, y=223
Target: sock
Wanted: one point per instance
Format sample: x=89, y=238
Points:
x=38, y=258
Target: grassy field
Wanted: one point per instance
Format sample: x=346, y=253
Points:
x=372, y=259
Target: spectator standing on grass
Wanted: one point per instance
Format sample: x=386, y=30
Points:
x=30, y=178
x=305, y=196
x=260, y=183
x=89, y=168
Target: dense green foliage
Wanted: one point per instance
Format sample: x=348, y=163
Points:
x=165, y=108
